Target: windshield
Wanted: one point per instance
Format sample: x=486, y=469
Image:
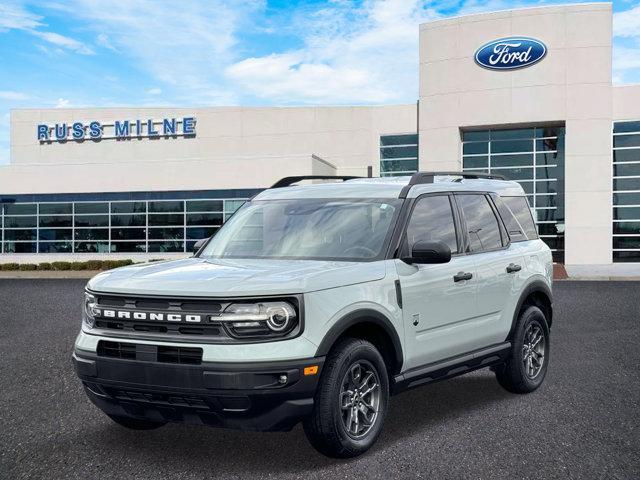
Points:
x=313, y=229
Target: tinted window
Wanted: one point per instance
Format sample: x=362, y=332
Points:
x=482, y=225
x=513, y=227
x=520, y=208
x=432, y=220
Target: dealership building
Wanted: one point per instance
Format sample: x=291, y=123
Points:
x=525, y=93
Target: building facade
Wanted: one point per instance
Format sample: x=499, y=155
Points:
x=149, y=182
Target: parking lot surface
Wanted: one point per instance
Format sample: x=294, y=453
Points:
x=582, y=423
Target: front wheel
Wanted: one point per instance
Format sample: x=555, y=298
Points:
x=527, y=365
x=351, y=400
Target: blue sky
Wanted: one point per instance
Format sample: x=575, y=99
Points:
x=78, y=53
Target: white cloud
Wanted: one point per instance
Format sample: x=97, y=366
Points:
x=103, y=41
x=14, y=17
x=154, y=91
x=62, y=103
x=64, y=42
x=627, y=23
x=11, y=95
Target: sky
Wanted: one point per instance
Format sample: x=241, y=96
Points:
x=80, y=53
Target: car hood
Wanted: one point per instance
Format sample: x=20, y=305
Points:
x=216, y=277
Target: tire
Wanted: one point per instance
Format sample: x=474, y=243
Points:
x=326, y=428
x=136, y=423
x=524, y=372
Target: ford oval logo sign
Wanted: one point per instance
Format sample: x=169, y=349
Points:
x=510, y=53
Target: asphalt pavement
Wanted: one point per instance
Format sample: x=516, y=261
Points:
x=582, y=423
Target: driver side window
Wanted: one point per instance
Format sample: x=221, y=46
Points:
x=432, y=220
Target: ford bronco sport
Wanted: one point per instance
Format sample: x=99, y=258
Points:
x=315, y=303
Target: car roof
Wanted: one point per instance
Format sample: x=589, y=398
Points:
x=391, y=187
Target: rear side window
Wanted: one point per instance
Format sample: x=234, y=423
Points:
x=520, y=209
x=483, y=228
x=515, y=231
x=432, y=220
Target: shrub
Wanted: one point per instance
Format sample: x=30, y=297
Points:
x=94, y=264
x=61, y=265
x=44, y=266
x=27, y=267
x=77, y=266
x=9, y=266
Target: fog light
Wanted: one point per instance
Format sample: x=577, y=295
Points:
x=283, y=379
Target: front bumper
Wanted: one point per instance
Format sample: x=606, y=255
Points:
x=247, y=396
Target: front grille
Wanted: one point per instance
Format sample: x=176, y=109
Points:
x=150, y=353
x=166, y=399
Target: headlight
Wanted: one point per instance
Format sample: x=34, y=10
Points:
x=261, y=319
x=88, y=311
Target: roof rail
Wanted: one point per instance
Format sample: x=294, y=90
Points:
x=287, y=181
x=419, y=178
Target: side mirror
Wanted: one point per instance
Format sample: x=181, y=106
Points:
x=429, y=252
x=198, y=245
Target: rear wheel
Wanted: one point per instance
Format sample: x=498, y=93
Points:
x=136, y=423
x=351, y=400
x=527, y=365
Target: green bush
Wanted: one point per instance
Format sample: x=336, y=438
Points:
x=61, y=265
x=44, y=266
x=94, y=264
x=9, y=266
x=27, y=267
x=77, y=266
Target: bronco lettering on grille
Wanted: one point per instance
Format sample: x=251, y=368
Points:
x=140, y=315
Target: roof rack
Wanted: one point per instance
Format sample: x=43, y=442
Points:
x=287, y=181
x=419, y=178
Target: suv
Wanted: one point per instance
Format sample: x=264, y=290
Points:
x=316, y=303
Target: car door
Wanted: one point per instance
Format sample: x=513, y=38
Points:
x=438, y=300
x=500, y=275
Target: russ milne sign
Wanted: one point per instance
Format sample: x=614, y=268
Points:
x=120, y=129
x=510, y=53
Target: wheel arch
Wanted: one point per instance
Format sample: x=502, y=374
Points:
x=537, y=294
x=369, y=325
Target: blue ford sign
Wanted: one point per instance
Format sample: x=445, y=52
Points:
x=510, y=53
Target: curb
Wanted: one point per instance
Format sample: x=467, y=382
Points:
x=51, y=274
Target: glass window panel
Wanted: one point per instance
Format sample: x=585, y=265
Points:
x=547, y=215
x=555, y=158
x=399, y=152
x=432, y=220
x=128, y=220
x=472, y=148
x=204, y=219
x=527, y=187
x=20, y=209
x=547, y=201
x=548, y=172
x=626, y=183
x=199, y=233
x=624, y=127
x=550, y=186
x=514, y=230
x=172, y=206
x=629, y=169
x=556, y=243
x=630, y=213
x=630, y=155
x=626, y=198
x=166, y=233
x=510, y=146
x=411, y=139
x=549, y=131
x=516, y=173
x=482, y=224
x=30, y=234
x=475, y=135
x=92, y=234
x=627, y=228
x=549, y=144
x=20, y=222
x=511, y=134
x=626, y=141
x=128, y=233
x=55, y=234
x=91, y=207
x=91, y=247
x=626, y=256
x=128, y=247
x=175, y=246
x=61, y=221
x=475, y=162
x=20, y=247
x=55, y=208
x=512, y=160
x=231, y=206
x=205, y=206
x=548, y=229
x=626, y=242
x=162, y=219
x=520, y=208
x=55, y=247
x=128, y=207
x=92, y=220
x=399, y=165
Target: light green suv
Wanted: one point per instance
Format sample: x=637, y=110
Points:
x=316, y=303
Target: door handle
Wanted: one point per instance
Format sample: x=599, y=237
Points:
x=460, y=276
x=512, y=268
